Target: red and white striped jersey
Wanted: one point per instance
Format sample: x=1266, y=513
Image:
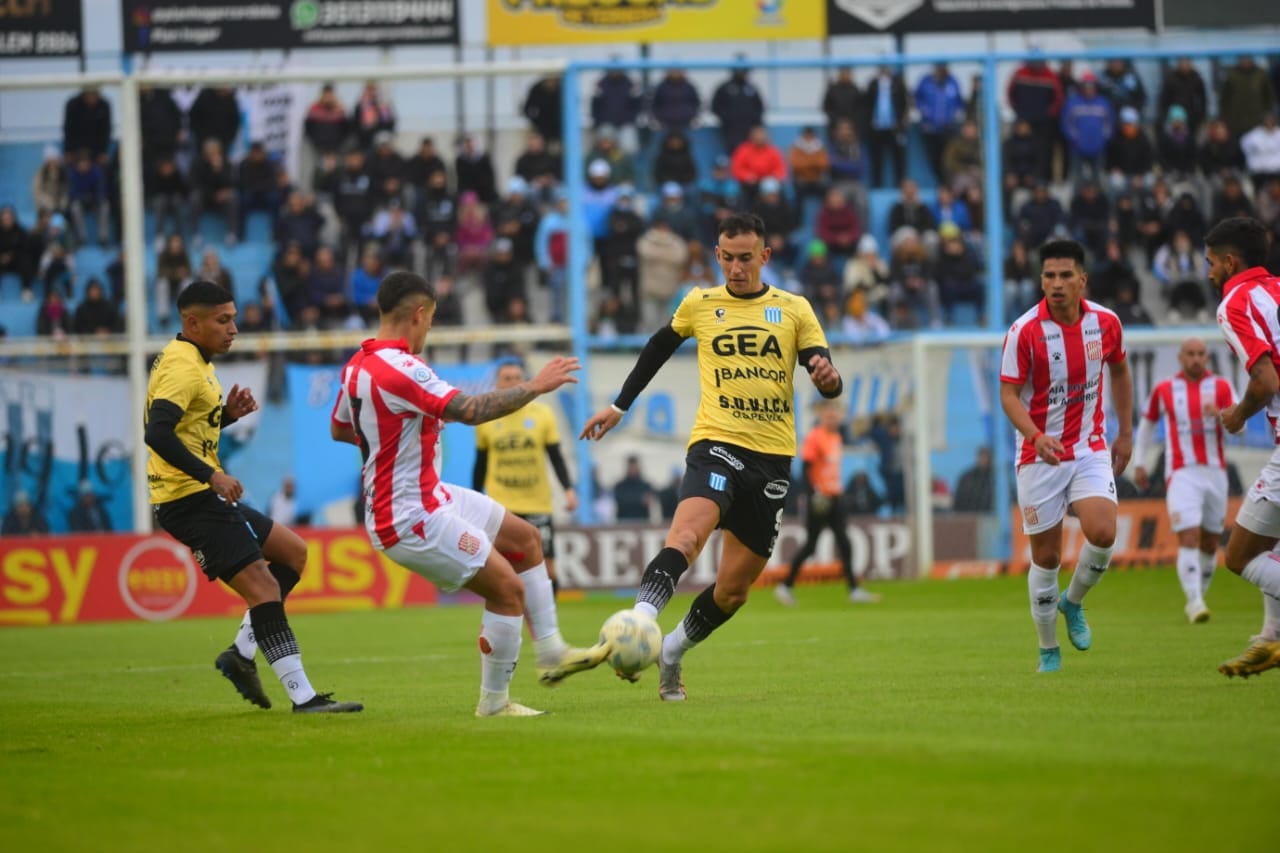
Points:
x=1249, y=317
x=1059, y=369
x=395, y=403
x=1193, y=437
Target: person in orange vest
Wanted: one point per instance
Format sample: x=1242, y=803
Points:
x=821, y=454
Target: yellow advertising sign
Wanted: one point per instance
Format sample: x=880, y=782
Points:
x=528, y=22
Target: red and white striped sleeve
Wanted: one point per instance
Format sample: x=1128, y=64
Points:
x=1153, y=405
x=341, y=415
x=418, y=388
x=1224, y=395
x=1244, y=331
x=1112, y=338
x=1015, y=358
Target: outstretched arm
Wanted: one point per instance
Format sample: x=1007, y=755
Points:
x=481, y=408
x=660, y=347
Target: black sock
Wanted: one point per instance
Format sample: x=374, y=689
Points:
x=285, y=576
x=271, y=627
x=704, y=616
x=661, y=576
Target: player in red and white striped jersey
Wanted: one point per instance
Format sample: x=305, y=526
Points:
x=1249, y=319
x=1051, y=390
x=1195, y=466
x=393, y=407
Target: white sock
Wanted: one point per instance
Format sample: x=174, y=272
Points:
x=540, y=610
x=1090, y=567
x=1189, y=573
x=294, y=678
x=647, y=609
x=1270, y=617
x=246, y=643
x=1042, y=587
x=1208, y=563
x=675, y=644
x=499, y=651
x=1263, y=571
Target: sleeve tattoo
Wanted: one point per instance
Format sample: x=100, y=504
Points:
x=480, y=408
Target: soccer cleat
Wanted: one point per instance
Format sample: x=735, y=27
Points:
x=782, y=593
x=670, y=687
x=858, y=595
x=511, y=709
x=569, y=661
x=1197, y=613
x=243, y=675
x=1077, y=628
x=324, y=703
x=1050, y=660
x=1259, y=657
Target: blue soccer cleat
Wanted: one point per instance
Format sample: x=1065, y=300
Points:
x=1050, y=660
x=1077, y=628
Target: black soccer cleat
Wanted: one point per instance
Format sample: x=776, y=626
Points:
x=243, y=674
x=323, y=703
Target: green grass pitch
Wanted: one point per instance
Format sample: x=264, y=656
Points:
x=914, y=725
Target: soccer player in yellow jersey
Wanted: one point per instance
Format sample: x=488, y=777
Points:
x=738, y=467
x=198, y=503
x=510, y=467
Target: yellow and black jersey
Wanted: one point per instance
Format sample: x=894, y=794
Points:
x=747, y=355
x=516, y=445
x=184, y=389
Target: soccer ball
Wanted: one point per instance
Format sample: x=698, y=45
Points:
x=634, y=640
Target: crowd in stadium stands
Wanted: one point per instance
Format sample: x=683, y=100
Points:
x=1088, y=154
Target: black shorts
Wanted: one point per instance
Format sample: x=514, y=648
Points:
x=749, y=487
x=224, y=538
x=546, y=529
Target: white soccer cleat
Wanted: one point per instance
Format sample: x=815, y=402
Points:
x=511, y=709
x=858, y=595
x=670, y=685
x=782, y=593
x=1196, y=612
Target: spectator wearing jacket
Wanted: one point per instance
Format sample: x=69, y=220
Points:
x=473, y=170
x=1129, y=153
x=1121, y=85
x=1035, y=94
x=941, y=107
x=87, y=191
x=327, y=124
x=299, y=223
x=622, y=166
x=542, y=109
x=86, y=125
x=372, y=114
x=1184, y=87
x=674, y=163
x=810, y=164
x=49, y=184
x=160, y=121
x=739, y=108
x=551, y=252
x=1245, y=97
x=838, y=225
x=1220, y=155
x=386, y=171
x=213, y=188
x=962, y=161
x=1090, y=218
x=262, y=184
x=1177, y=144
x=1088, y=122
x=165, y=192
x=662, y=253
x=848, y=167
x=1040, y=217
x=755, y=159
x=675, y=104
x=680, y=216
x=1261, y=147
x=437, y=219
x=887, y=117
x=215, y=114
x=616, y=103
x=842, y=101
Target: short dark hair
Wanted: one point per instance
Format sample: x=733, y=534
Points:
x=201, y=292
x=741, y=223
x=1241, y=236
x=399, y=286
x=1062, y=249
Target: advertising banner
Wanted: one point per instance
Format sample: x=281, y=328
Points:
x=857, y=17
x=60, y=433
x=38, y=28
x=530, y=22
x=154, y=26
x=95, y=578
x=1144, y=536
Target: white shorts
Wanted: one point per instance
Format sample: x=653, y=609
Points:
x=1045, y=491
x=1197, y=498
x=448, y=546
x=1260, y=509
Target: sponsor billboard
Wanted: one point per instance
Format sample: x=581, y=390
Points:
x=36, y=28
x=856, y=17
x=154, y=26
x=528, y=22
x=111, y=577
